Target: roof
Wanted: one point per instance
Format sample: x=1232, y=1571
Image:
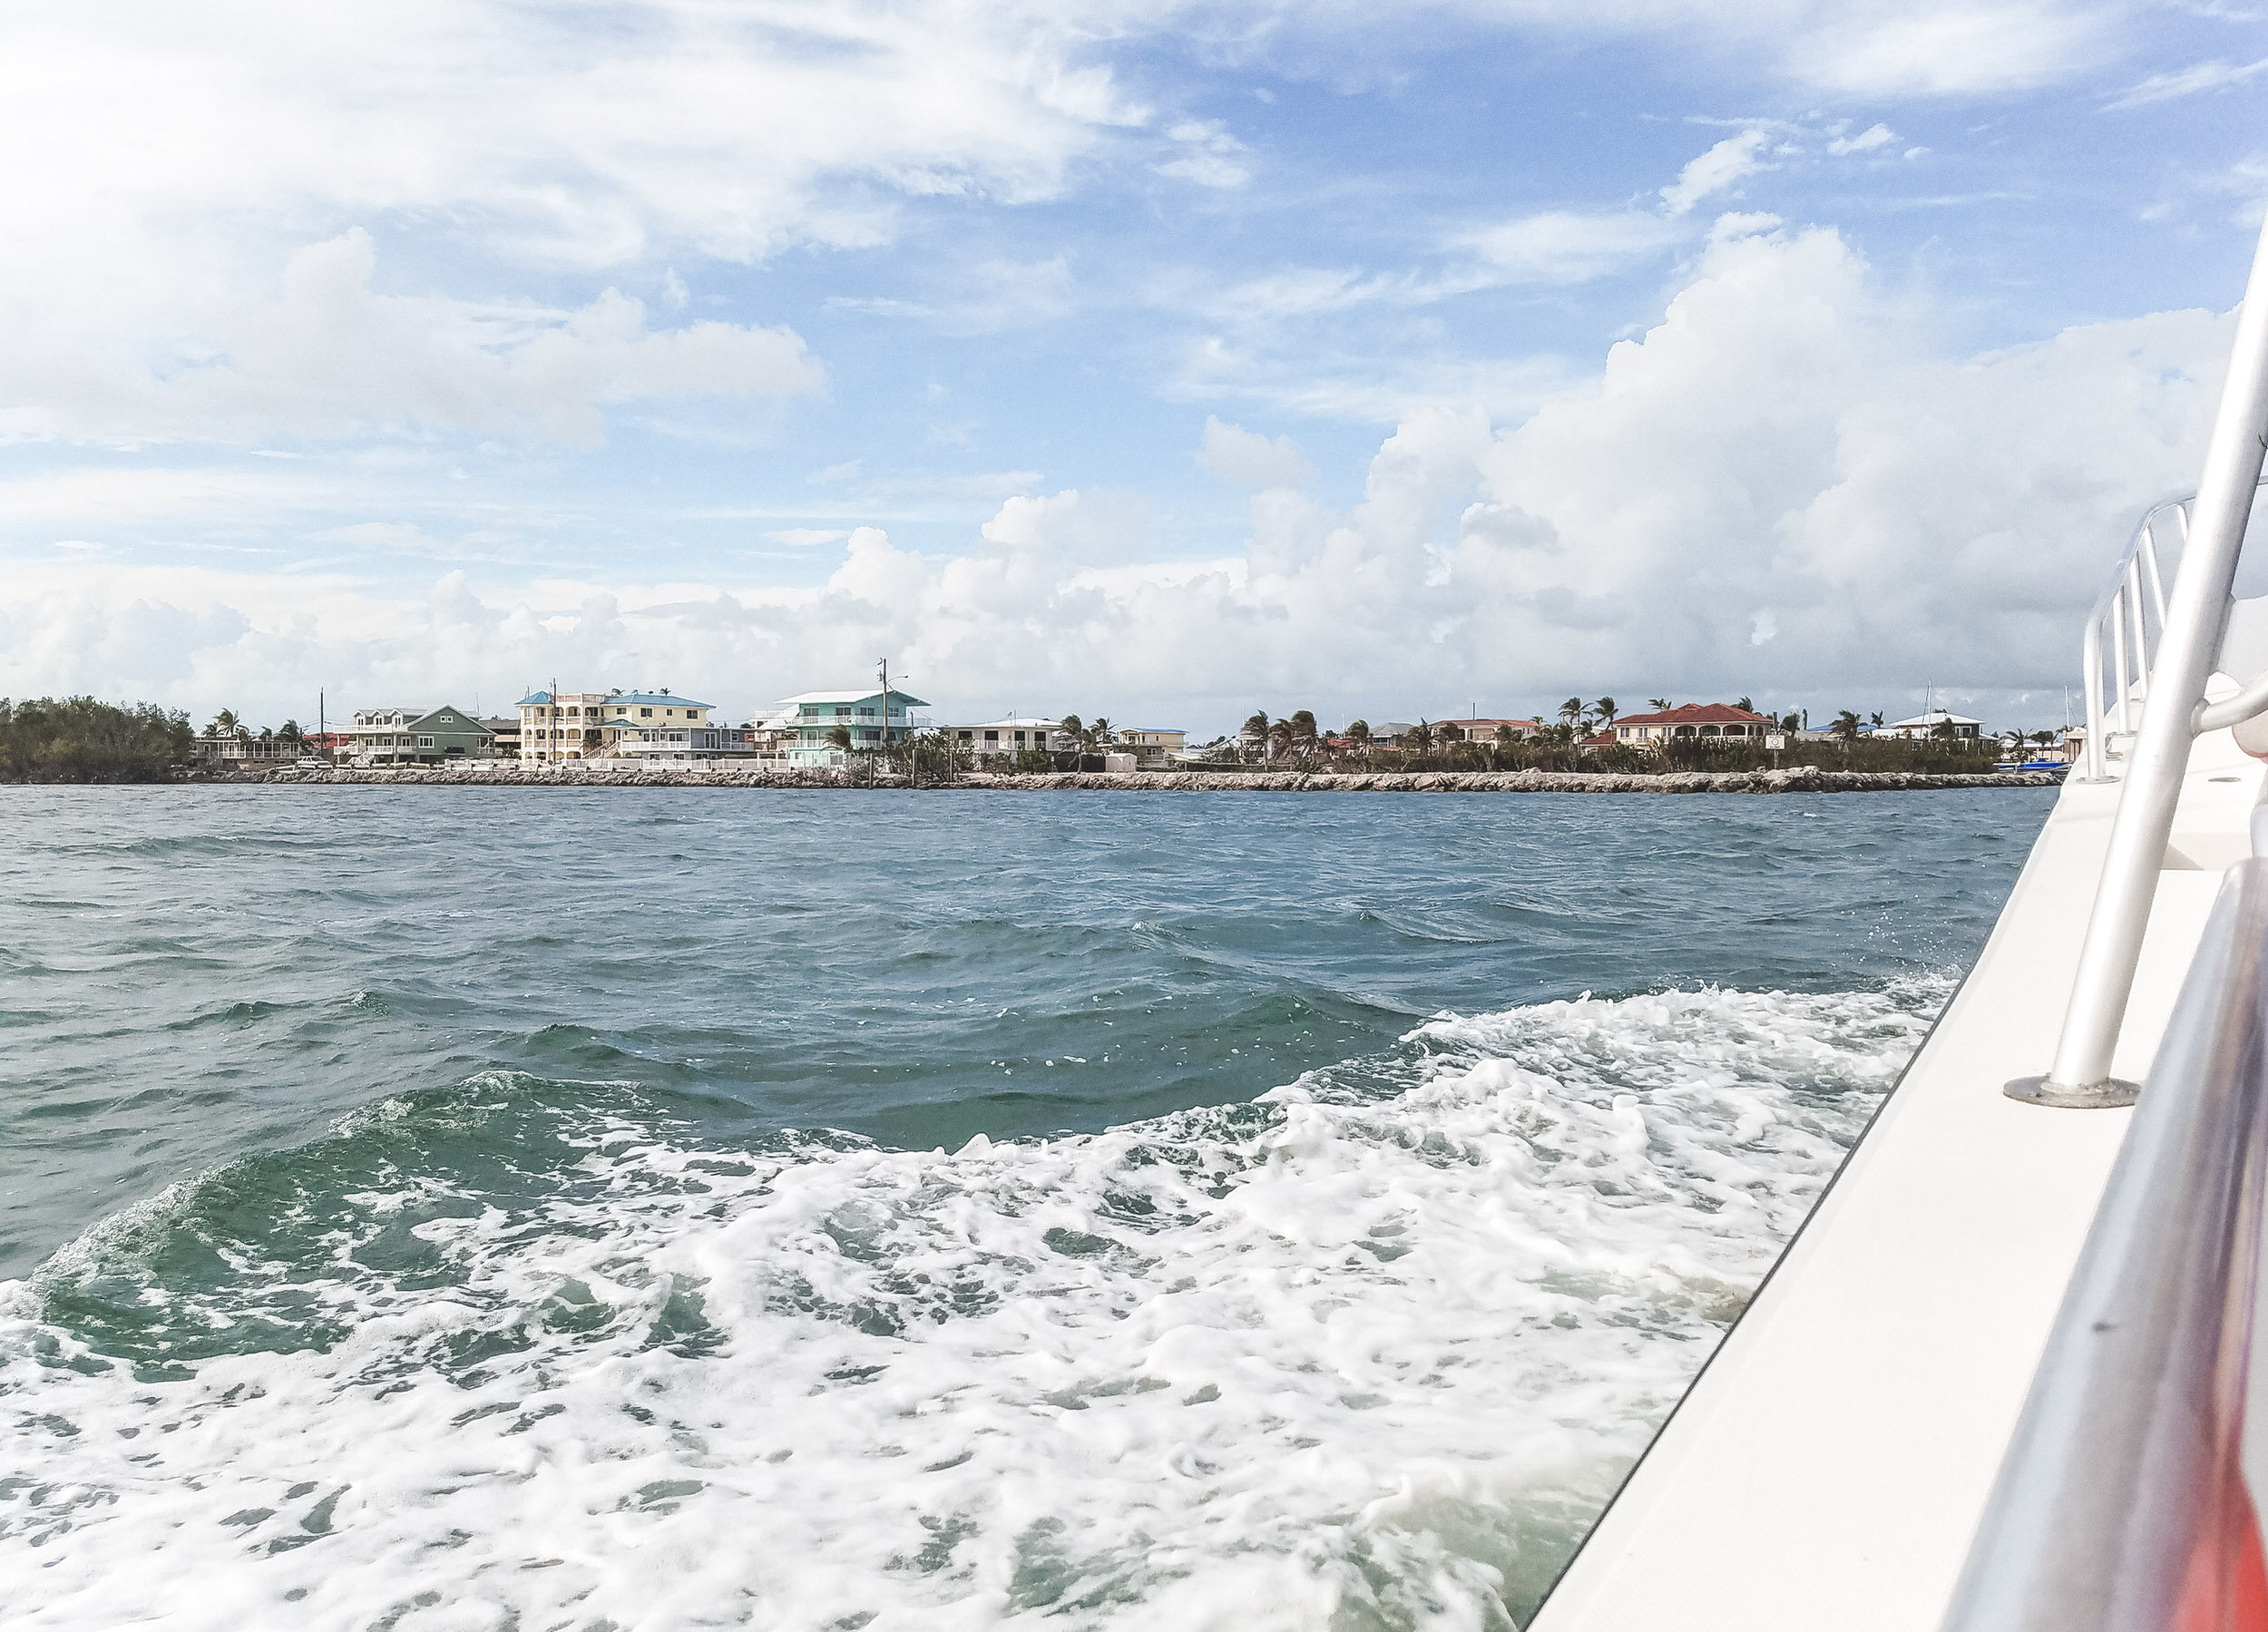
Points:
x=1698, y=714
x=656, y=697
x=1468, y=724
x=1604, y=739
x=1018, y=723
x=868, y=695
x=534, y=699
x=1935, y=716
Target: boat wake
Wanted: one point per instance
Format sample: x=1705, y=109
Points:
x=1367, y=1353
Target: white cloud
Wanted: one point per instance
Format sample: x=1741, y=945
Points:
x=1866, y=141
x=1209, y=155
x=1723, y=165
x=1567, y=247
x=806, y=538
x=2189, y=82
x=1785, y=438
x=1252, y=460
x=331, y=357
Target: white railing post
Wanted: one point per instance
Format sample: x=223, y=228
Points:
x=2091, y=677
x=2157, y=758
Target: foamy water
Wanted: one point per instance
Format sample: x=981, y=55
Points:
x=529, y=1353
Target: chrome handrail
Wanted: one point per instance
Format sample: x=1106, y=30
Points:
x=2121, y=1505
x=2128, y=618
x=2189, y=643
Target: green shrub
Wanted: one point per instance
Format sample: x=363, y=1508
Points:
x=79, y=739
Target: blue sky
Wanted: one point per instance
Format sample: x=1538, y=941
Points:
x=1162, y=362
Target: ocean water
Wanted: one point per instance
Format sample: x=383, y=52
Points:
x=641, y=1208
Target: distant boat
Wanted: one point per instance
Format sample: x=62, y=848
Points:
x=1998, y=1381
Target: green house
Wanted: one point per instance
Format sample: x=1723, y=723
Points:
x=416, y=737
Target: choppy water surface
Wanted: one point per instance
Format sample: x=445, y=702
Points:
x=665, y=1208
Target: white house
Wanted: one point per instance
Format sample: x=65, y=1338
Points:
x=1929, y=724
x=1005, y=738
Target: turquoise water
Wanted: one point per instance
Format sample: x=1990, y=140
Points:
x=675, y=1208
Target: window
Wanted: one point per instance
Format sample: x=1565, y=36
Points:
x=865, y=714
x=841, y=713
x=425, y=742
x=991, y=736
x=968, y=736
x=645, y=713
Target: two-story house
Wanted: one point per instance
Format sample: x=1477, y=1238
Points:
x=415, y=737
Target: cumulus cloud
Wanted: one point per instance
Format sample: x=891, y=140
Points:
x=1252, y=460
x=331, y=357
x=1787, y=487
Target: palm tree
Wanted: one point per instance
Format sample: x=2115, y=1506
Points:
x=290, y=731
x=1605, y=708
x=1571, y=711
x=1099, y=733
x=1746, y=705
x=1660, y=705
x=1418, y=738
x=1876, y=718
x=1254, y=733
x=1359, y=734
x=1845, y=730
x=1303, y=729
x=224, y=724
x=839, y=737
x=1280, y=738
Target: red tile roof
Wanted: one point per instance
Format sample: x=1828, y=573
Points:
x=1698, y=714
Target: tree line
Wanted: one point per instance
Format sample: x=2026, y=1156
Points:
x=81, y=739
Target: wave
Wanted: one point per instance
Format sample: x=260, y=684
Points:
x=1365, y=1352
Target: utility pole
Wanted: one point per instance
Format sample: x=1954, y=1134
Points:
x=323, y=730
x=886, y=705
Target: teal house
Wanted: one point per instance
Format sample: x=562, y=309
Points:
x=813, y=717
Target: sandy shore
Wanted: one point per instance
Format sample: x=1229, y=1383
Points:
x=1798, y=779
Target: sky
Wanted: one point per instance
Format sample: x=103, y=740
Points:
x=1158, y=361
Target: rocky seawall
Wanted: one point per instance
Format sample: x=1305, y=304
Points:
x=1797, y=779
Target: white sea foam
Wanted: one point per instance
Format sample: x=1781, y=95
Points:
x=1353, y=1359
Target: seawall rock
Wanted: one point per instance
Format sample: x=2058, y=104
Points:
x=1795, y=779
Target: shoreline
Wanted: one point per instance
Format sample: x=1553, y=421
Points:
x=1794, y=779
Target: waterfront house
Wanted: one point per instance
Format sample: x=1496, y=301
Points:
x=1484, y=730
x=1005, y=739
x=661, y=727
x=1151, y=748
x=503, y=736
x=872, y=721
x=1713, y=722
x=1933, y=723
x=565, y=727
x=232, y=750
x=416, y=737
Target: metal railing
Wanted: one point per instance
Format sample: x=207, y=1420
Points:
x=2121, y=1505
x=2123, y=629
x=2173, y=700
